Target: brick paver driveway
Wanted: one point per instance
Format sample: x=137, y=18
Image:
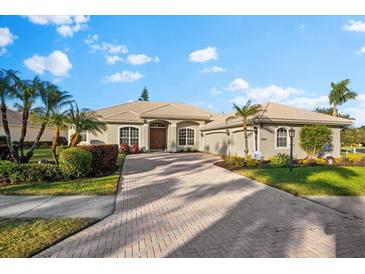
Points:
x=181, y=205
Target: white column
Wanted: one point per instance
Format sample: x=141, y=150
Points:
x=146, y=136
x=171, y=137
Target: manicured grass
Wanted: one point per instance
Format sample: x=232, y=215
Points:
x=41, y=154
x=320, y=180
x=28, y=236
x=84, y=186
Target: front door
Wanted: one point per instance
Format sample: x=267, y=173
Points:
x=157, y=138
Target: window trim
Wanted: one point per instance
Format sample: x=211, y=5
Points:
x=86, y=135
x=186, y=138
x=129, y=139
x=287, y=138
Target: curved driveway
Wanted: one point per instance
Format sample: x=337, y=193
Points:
x=181, y=205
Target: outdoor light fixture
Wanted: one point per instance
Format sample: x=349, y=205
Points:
x=227, y=131
x=291, y=135
x=201, y=134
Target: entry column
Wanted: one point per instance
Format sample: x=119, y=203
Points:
x=171, y=137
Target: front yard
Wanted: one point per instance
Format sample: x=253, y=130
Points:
x=27, y=236
x=317, y=180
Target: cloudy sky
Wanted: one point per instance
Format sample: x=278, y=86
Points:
x=203, y=60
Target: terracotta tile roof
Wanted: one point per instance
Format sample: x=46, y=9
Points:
x=136, y=111
x=279, y=113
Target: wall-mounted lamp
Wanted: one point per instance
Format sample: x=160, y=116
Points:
x=227, y=131
x=201, y=134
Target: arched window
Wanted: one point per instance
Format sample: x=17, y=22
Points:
x=129, y=135
x=186, y=137
x=281, y=138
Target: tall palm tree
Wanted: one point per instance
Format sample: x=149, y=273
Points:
x=26, y=93
x=81, y=120
x=52, y=101
x=340, y=94
x=59, y=121
x=8, y=81
x=243, y=113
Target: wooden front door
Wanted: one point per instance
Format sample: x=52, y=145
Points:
x=157, y=138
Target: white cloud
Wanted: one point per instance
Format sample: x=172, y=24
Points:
x=238, y=84
x=112, y=59
x=213, y=69
x=308, y=102
x=6, y=39
x=67, y=25
x=109, y=48
x=91, y=39
x=57, y=63
x=123, y=76
x=271, y=93
x=204, y=55
x=210, y=106
x=361, y=50
x=215, y=91
x=140, y=59
x=301, y=27
x=355, y=26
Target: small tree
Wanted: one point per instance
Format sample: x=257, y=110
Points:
x=144, y=95
x=244, y=113
x=314, y=138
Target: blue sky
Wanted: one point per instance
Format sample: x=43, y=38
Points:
x=209, y=61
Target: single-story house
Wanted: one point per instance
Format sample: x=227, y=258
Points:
x=174, y=127
x=15, y=126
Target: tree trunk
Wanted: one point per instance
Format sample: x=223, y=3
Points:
x=4, y=119
x=23, y=134
x=334, y=110
x=246, y=137
x=55, y=144
x=29, y=154
x=75, y=140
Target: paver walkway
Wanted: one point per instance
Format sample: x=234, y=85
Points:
x=181, y=205
x=84, y=206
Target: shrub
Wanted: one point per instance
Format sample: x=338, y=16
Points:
x=41, y=144
x=5, y=152
x=2, y=140
x=321, y=162
x=75, y=162
x=104, y=157
x=234, y=160
x=280, y=159
x=251, y=162
x=124, y=148
x=28, y=173
x=62, y=141
x=313, y=162
x=355, y=158
x=314, y=139
x=134, y=149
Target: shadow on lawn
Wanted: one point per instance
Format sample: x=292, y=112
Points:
x=306, y=180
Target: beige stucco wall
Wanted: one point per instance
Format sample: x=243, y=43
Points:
x=219, y=142
x=111, y=134
x=32, y=133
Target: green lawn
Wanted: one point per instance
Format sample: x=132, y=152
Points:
x=320, y=180
x=41, y=154
x=28, y=236
x=84, y=186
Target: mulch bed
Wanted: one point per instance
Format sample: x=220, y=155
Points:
x=227, y=166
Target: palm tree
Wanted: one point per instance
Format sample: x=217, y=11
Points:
x=8, y=81
x=243, y=113
x=26, y=93
x=340, y=94
x=81, y=120
x=59, y=121
x=53, y=100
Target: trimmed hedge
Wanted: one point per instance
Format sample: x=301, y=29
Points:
x=105, y=157
x=75, y=162
x=14, y=173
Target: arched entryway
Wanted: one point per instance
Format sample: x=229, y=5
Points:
x=158, y=135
